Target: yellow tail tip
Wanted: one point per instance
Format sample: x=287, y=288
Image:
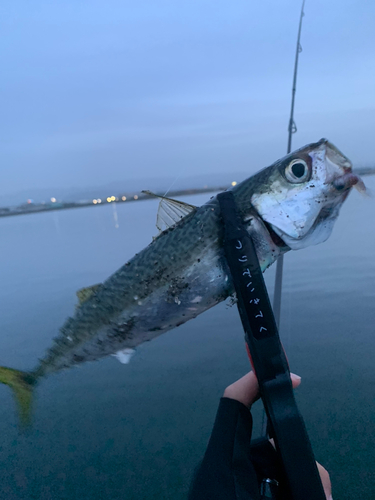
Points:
x=21, y=384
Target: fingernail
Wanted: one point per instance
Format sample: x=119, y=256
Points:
x=295, y=377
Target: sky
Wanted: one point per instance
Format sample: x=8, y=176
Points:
x=99, y=91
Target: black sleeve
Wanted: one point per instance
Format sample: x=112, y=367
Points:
x=226, y=471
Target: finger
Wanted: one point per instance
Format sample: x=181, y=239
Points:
x=296, y=380
x=326, y=482
x=246, y=389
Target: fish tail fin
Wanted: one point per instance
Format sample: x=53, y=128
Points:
x=22, y=384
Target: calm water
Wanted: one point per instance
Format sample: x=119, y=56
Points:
x=109, y=431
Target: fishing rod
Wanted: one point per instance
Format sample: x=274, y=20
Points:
x=292, y=129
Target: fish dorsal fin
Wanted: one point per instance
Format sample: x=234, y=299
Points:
x=170, y=211
x=85, y=293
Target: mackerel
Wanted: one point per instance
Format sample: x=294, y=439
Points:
x=183, y=272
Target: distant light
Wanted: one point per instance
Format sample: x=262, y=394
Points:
x=99, y=200
x=95, y=202
x=123, y=198
x=109, y=199
x=136, y=197
x=234, y=183
x=113, y=198
x=29, y=201
x=53, y=200
x=205, y=186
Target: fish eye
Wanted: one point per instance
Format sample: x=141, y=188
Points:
x=297, y=171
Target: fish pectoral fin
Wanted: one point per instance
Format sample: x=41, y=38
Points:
x=85, y=293
x=124, y=356
x=170, y=211
x=22, y=384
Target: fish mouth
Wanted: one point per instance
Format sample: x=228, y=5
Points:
x=346, y=181
x=348, y=178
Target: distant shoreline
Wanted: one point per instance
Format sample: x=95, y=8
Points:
x=33, y=209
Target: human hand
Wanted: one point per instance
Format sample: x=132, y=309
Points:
x=246, y=391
